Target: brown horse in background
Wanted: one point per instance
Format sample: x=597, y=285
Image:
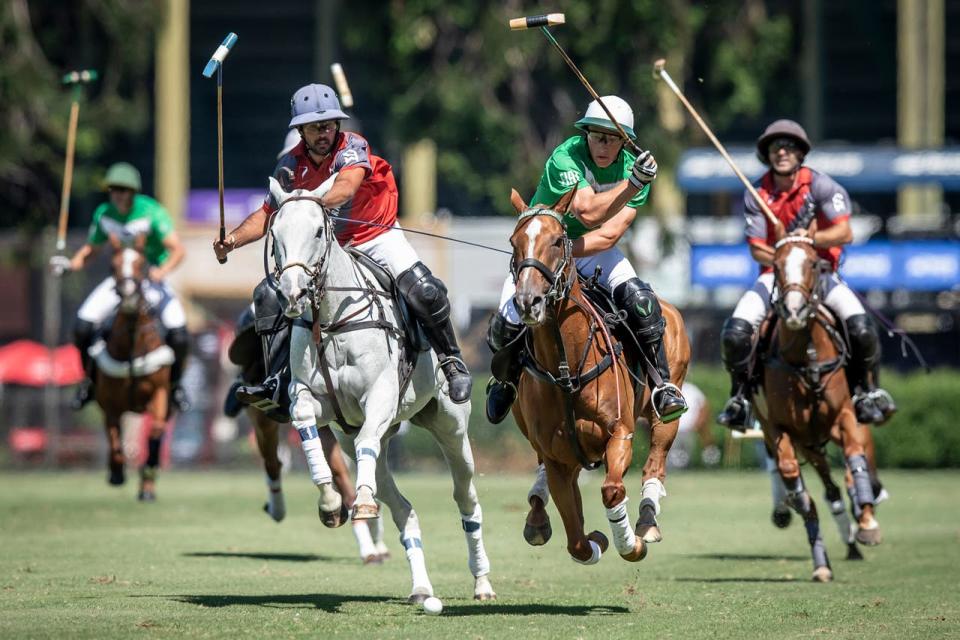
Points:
x=806, y=395
x=576, y=419
x=133, y=367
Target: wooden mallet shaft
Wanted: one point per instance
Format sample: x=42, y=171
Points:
x=75, y=78
x=660, y=73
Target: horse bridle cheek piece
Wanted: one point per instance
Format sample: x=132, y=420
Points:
x=316, y=272
x=810, y=294
x=559, y=285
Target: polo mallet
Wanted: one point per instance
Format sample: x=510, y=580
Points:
x=340, y=80
x=77, y=79
x=216, y=64
x=660, y=73
x=551, y=19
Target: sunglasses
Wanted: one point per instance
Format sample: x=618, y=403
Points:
x=783, y=143
x=315, y=128
x=603, y=138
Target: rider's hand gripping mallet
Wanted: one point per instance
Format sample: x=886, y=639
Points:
x=77, y=79
x=550, y=19
x=216, y=64
x=660, y=73
x=340, y=80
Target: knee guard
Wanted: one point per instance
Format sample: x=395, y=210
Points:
x=425, y=294
x=864, y=350
x=501, y=332
x=178, y=339
x=83, y=335
x=736, y=339
x=644, y=315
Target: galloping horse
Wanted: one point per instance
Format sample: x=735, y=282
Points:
x=350, y=364
x=806, y=394
x=246, y=351
x=133, y=366
x=580, y=418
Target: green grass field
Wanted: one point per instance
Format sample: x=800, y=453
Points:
x=83, y=560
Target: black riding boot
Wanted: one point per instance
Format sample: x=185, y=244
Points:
x=872, y=404
x=737, y=344
x=272, y=396
x=645, y=319
x=503, y=338
x=426, y=296
x=179, y=340
x=83, y=334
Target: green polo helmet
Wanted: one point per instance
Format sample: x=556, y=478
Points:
x=125, y=175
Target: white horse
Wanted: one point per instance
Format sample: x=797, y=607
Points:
x=321, y=283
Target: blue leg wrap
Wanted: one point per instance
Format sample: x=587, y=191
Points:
x=861, y=480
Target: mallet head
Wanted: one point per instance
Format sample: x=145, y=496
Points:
x=658, y=66
x=216, y=60
x=530, y=22
x=80, y=77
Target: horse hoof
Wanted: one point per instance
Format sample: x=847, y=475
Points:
x=781, y=518
x=365, y=511
x=649, y=533
x=117, y=477
x=600, y=539
x=418, y=596
x=334, y=519
x=483, y=590
x=822, y=574
x=639, y=551
x=537, y=536
x=147, y=496
x=373, y=558
x=276, y=517
x=853, y=552
x=869, y=537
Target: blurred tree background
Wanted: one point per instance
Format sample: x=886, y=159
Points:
x=39, y=42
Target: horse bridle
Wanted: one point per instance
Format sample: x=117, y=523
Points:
x=559, y=287
x=316, y=272
x=810, y=294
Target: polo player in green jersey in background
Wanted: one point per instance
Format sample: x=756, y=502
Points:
x=126, y=214
x=612, y=184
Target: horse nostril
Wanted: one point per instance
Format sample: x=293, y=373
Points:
x=537, y=302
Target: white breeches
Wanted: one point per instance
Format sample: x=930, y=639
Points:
x=755, y=303
x=615, y=269
x=392, y=250
x=104, y=300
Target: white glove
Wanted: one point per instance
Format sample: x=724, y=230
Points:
x=644, y=170
x=59, y=264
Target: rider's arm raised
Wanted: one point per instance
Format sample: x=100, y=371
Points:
x=606, y=235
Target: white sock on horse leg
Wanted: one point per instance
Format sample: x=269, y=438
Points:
x=413, y=545
x=539, y=487
x=364, y=540
x=310, y=443
x=624, y=538
x=651, y=493
x=367, y=453
x=477, y=559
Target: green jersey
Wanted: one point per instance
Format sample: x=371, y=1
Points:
x=570, y=164
x=146, y=216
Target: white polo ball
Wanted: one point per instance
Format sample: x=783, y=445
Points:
x=433, y=606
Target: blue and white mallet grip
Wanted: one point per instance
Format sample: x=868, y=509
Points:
x=218, y=56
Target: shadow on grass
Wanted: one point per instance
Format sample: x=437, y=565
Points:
x=331, y=603
x=718, y=580
x=282, y=557
x=744, y=556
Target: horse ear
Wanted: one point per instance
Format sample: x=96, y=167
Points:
x=563, y=204
x=279, y=195
x=517, y=201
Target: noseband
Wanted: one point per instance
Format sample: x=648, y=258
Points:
x=559, y=288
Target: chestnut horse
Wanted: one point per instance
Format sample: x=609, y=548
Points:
x=585, y=417
x=132, y=366
x=806, y=394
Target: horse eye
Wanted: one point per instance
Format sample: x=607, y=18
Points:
x=558, y=242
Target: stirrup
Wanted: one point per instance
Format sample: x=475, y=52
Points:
x=492, y=386
x=865, y=408
x=732, y=422
x=674, y=415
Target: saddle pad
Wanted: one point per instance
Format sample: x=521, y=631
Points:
x=142, y=365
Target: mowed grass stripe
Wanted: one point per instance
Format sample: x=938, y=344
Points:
x=79, y=559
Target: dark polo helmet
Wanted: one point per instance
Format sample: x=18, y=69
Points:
x=782, y=129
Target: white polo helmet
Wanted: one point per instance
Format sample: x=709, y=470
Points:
x=597, y=117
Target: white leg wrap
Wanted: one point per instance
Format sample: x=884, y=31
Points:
x=594, y=558
x=777, y=488
x=652, y=491
x=310, y=443
x=413, y=544
x=364, y=541
x=276, y=506
x=367, y=453
x=847, y=531
x=539, y=487
x=624, y=538
x=477, y=558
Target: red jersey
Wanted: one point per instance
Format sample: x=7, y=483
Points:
x=812, y=194
x=375, y=200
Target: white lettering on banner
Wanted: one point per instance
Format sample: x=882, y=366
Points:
x=867, y=266
x=927, y=163
x=932, y=266
x=710, y=166
x=836, y=163
x=726, y=266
